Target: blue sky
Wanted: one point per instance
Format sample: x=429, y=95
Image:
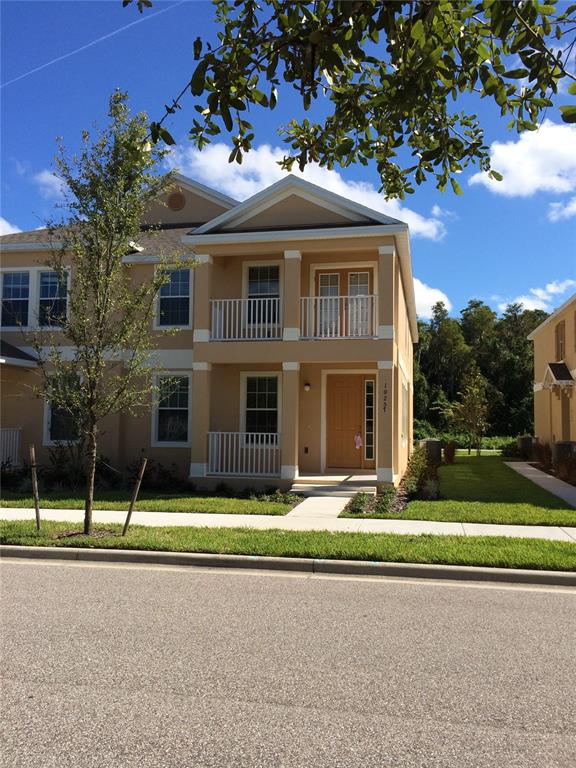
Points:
x=496, y=243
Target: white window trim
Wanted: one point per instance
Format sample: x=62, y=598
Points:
x=34, y=297
x=244, y=375
x=46, y=439
x=155, y=321
x=154, y=442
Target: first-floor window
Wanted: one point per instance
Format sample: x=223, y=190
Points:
x=174, y=299
x=15, y=298
x=262, y=404
x=62, y=427
x=173, y=409
x=53, y=291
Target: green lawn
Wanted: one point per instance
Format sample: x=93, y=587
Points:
x=484, y=490
x=496, y=551
x=151, y=502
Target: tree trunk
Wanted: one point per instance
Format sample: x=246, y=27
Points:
x=90, y=475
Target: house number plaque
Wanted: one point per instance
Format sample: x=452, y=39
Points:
x=385, y=398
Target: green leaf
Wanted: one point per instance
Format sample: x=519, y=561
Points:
x=495, y=175
x=226, y=116
x=455, y=186
x=166, y=136
x=199, y=78
x=572, y=89
x=517, y=74
x=568, y=113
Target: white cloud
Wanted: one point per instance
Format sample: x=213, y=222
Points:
x=6, y=228
x=538, y=161
x=260, y=169
x=426, y=297
x=562, y=211
x=50, y=186
x=540, y=298
x=443, y=213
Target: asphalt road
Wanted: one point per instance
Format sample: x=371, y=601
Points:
x=174, y=668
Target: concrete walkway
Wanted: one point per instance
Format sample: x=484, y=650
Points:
x=313, y=514
x=559, y=488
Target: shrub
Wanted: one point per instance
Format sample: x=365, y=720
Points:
x=65, y=468
x=384, y=500
x=430, y=490
x=449, y=452
x=359, y=504
x=511, y=450
x=542, y=454
x=11, y=477
x=566, y=470
x=157, y=477
x=416, y=472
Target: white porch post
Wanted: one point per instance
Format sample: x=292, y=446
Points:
x=291, y=296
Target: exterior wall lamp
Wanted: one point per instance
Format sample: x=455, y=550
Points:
x=306, y=387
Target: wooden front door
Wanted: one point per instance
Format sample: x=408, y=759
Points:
x=347, y=408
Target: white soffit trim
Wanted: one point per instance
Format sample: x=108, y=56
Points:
x=31, y=246
x=199, y=239
x=281, y=189
x=385, y=365
x=552, y=317
x=290, y=366
x=18, y=362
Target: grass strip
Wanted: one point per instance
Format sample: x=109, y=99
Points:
x=484, y=490
x=490, y=551
x=149, y=502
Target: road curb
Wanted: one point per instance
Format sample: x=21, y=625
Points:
x=298, y=564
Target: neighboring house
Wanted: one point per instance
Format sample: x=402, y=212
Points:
x=555, y=374
x=294, y=350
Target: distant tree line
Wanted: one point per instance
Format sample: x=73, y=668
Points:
x=479, y=343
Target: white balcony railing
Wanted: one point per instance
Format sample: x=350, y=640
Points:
x=10, y=445
x=338, y=317
x=251, y=454
x=246, y=319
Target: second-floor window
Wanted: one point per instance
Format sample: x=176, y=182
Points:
x=264, y=285
x=174, y=299
x=15, y=299
x=560, y=338
x=52, y=299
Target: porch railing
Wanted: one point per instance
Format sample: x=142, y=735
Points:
x=246, y=319
x=250, y=454
x=10, y=445
x=338, y=317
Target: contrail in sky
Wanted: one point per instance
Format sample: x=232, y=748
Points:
x=89, y=45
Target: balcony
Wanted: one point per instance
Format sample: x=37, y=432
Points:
x=253, y=454
x=246, y=319
x=338, y=317
x=10, y=446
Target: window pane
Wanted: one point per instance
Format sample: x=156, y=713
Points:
x=62, y=426
x=172, y=412
x=52, y=304
x=262, y=404
x=174, y=304
x=264, y=281
x=359, y=283
x=329, y=285
x=15, y=295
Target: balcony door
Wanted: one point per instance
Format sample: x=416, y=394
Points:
x=344, y=308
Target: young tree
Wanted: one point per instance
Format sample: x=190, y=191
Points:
x=469, y=414
x=391, y=75
x=109, y=187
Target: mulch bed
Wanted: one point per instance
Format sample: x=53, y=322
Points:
x=100, y=534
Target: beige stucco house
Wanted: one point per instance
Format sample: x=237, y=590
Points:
x=555, y=375
x=293, y=354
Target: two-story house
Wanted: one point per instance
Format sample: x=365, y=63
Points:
x=555, y=375
x=293, y=354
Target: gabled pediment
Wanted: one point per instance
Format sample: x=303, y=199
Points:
x=188, y=203
x=293, y=203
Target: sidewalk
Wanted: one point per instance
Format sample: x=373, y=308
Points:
x=559, y=488
x=313, y=514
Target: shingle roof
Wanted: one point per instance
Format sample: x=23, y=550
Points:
x=560, y=371
x=152, y=242
x=9, y=350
